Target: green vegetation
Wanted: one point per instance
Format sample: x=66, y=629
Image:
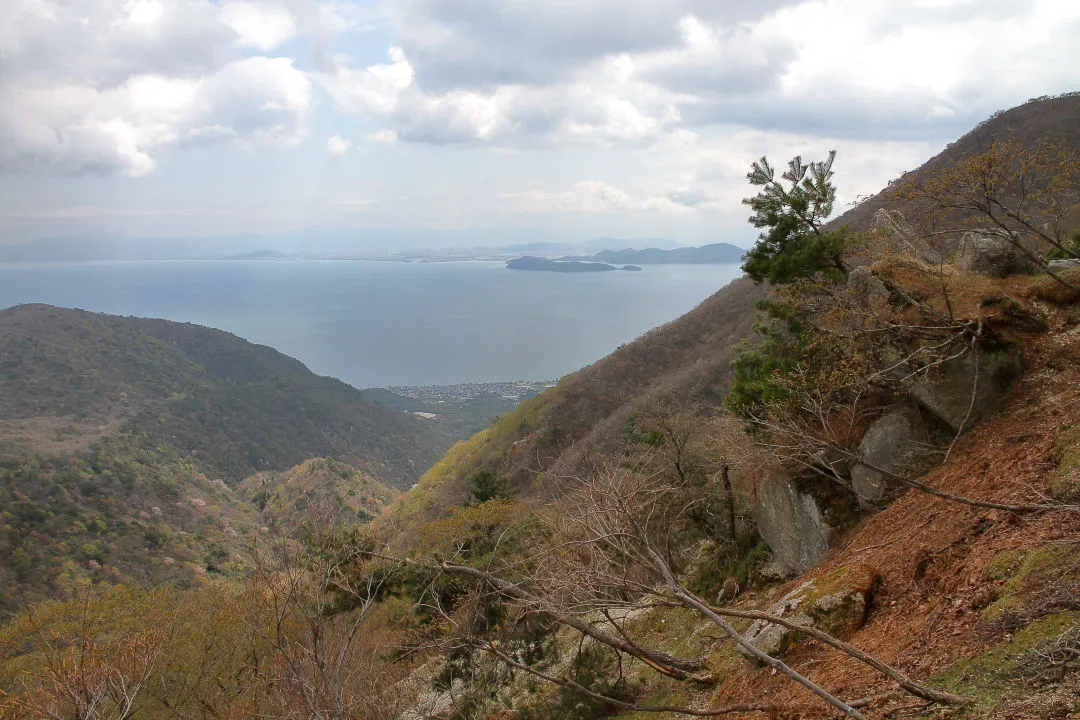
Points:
x=1011, y=669
x=795, y=245
x=230, y=407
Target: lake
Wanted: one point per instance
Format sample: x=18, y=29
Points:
x=374, y=323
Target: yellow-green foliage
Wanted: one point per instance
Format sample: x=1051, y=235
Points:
x=445, y=483
x=315, y=488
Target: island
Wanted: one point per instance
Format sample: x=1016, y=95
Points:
x=530, y=262
x=631, y=268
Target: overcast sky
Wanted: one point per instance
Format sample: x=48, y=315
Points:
x=575, y=118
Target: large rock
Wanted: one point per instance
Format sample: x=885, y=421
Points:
x=790, y=522
x=902, y=239
x=837, y=603
x=1063, y=264
x=897, y=442
x=948, y=394
x=992, y=255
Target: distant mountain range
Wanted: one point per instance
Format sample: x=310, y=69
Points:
x=713, y=254
x=630, y=259
x=301, y=245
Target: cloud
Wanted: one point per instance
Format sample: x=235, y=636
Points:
x=608, y=111
x=591, y=197
x=478, y=44
x=261, y=24
x=522, y=74
x=79, y=129
x=103, y=86
x=337, y=146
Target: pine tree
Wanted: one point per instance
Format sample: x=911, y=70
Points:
x=794, y=245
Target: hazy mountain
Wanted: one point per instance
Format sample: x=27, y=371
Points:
x=713, y=254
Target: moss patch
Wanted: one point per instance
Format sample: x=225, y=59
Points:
x=1004, y=564
x=838, y=601
x=1042, y=567
x=988, y=679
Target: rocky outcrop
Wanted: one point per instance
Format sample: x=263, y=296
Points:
x=897, y=442
x=948, y=395
x=791, y=523
x=992, y=255
x=1063, y=264
x=837, y=603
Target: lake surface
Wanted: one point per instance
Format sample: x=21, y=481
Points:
x=375, y=323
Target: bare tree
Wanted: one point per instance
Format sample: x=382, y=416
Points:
x=309, y=607
x=1019, y=194
x=618, y=548
x=86, y=664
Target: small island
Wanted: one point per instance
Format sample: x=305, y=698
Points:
x=529, y=262
x=631, y=268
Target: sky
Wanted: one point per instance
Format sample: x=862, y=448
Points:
x=545, y=119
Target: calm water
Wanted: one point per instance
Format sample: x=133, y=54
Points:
x=389, y=323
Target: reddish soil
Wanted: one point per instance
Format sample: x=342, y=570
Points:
x=932, y=554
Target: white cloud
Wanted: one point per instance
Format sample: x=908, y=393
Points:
x=338, y=146
x=592, y=197
x=106, y=85
x=262, y=24
x=77, y=129
x=504, y=72
x=610, y=110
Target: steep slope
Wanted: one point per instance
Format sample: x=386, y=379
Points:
x=233, y=408
x=1046, y=120
x=984, y=603
x=686, y=362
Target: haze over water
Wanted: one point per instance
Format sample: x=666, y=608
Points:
x=389, y=323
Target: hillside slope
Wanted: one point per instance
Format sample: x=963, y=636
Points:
x=123, y=442
x=1049, y=120
x=232, y=407
x=686, y=362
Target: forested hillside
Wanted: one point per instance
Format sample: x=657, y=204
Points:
x=230, y=407
x=123, y=442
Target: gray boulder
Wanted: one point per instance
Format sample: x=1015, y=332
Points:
x=790, y=522
x=1063, y=264
x=897, y=442
x=992, y=255
x=948, y=394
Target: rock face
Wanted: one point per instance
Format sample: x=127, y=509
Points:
x=1064, y=264
x=791, y=524
x=837, y=603
x=896, y=442
x=991, y=255
x=948, y=395
x=904, y=240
